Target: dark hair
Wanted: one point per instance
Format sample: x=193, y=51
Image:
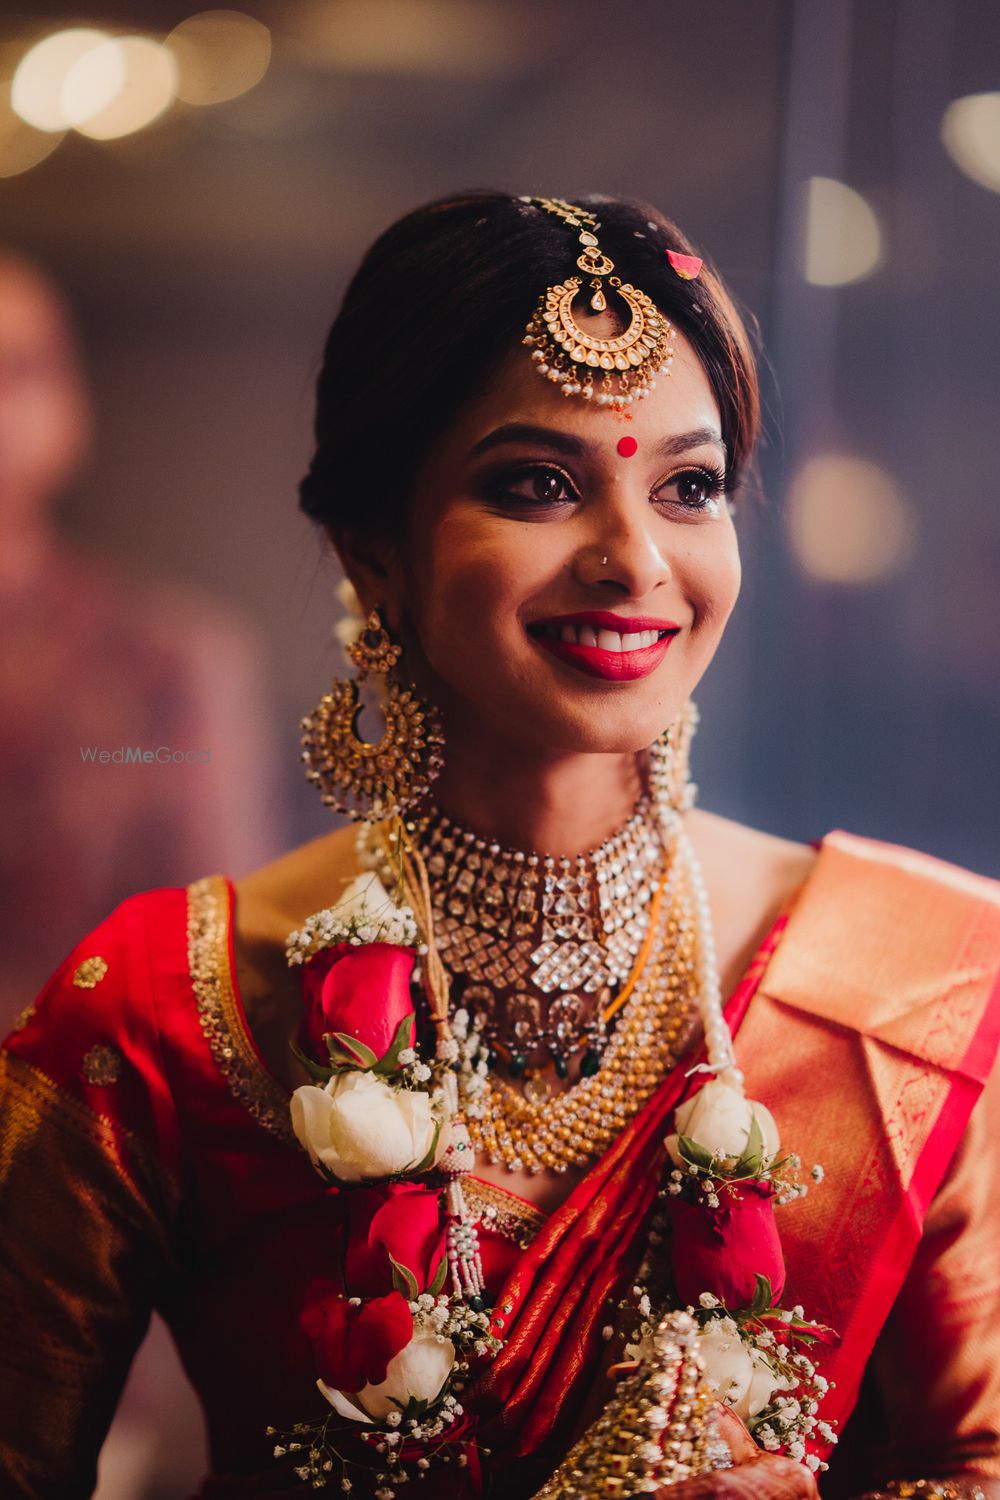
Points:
x=442, y=296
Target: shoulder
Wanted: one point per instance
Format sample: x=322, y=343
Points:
x=110, y=967
x=751, y=877
x=270, y=903
x=91, y=1035
x=274, y=899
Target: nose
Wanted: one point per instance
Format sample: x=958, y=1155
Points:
x=623, y=554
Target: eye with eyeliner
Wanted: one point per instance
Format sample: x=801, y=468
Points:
x=544, y=486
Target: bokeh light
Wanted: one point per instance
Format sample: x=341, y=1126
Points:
x=970, y=130
x=220, y=54
x=92, y=82
x=148, y=87
x=41, y=76
x=843, y=241
x=847, y=520
x=21, y=146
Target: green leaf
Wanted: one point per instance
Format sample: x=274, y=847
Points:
x=358, y=1053
x=314, y=1069
x=428, y=1161
x=389, y=1061
x=693, y=1154
x=752, y=1160
x=440, y=1276
x=762, y=1296
x=404, y=1280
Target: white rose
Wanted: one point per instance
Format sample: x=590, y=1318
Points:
x=358, y=1127
x=418, y=1372
x=740, y=1374
x=365, y=898
x=718, y=1118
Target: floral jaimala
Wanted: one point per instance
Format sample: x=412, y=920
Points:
x=397, y=1336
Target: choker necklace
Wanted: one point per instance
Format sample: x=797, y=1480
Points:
x=513, y=927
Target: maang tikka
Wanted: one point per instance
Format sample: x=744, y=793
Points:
x=372, y=780
x=616, y=371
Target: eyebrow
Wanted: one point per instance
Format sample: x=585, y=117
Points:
x=564, y=442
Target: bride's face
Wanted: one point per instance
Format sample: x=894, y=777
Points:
x=531, y=509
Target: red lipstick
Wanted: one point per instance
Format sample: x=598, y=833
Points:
x=597, y=661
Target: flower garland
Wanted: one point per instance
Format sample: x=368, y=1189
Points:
x=382, y=1120
x=714, y=1248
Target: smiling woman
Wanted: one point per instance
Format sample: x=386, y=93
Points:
x=411, y=1128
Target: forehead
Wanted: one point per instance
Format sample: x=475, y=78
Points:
x=682, y=402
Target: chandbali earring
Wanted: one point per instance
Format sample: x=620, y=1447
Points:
x=670, y=762
x=372, y=780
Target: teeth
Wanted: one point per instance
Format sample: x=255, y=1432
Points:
x=606, y=640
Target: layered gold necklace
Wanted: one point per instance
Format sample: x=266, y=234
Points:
x=519, y=1120
x=574, y=1127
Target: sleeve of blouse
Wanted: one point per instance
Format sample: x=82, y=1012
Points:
x=937, y=1362
x=87, y=1201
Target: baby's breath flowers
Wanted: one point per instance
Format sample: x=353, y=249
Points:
x=414, y=1433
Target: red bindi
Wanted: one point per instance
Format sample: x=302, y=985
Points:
x=627, y=446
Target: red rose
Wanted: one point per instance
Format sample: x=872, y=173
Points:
x=353, y=1345
x=361, y=991
x=401, y=1220
x=722, y=1250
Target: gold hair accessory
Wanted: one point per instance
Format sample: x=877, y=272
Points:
x=372, y=780
x=614, y=371
x=658, y=1429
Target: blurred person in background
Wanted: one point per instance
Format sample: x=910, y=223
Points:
x=92, y=661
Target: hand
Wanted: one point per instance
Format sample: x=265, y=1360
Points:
x=755, y=1475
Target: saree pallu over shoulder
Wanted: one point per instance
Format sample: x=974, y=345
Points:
x=563, y=1290
x=876, y=1025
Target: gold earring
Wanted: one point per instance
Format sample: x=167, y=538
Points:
x=366, y=780
x=670, y=762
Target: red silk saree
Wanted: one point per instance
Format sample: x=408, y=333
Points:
x=148, y=1161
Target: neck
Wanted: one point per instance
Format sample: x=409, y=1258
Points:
x=557, y=804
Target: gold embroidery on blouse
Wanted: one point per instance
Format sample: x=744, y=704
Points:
x=90, y=973
x=501, y=1212
x=102, y=1065
x=219, y=1009
x=25, y=1016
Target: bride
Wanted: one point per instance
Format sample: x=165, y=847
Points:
x=414, y=1135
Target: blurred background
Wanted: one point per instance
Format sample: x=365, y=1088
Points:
x=183, y=195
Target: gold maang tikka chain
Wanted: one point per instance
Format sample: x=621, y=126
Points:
x=615, y=371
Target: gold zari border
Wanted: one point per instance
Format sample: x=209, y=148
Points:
x=513, y=1218
x=220, y=1013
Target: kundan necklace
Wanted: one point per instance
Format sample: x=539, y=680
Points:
x=652, y=872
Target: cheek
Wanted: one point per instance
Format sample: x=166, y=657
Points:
x=478, y=579
x=712, y=579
